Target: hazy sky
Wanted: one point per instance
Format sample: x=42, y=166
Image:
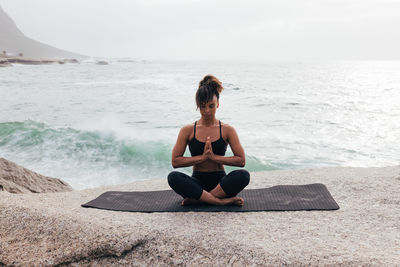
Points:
x=220, y=30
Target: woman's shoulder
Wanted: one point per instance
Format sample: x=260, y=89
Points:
x=187, y=129
x=227, y=127
x=188, y=126
x=228, y=131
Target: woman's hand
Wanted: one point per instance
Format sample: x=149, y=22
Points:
x=208, y=152
x=238, y=159
x=177, y=158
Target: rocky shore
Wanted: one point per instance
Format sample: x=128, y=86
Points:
x=8, y=61
x=47, y=229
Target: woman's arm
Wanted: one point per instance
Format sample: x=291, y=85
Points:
x=238, y=158
x=177, y=159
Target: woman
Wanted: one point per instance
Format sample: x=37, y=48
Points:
x=207, y=139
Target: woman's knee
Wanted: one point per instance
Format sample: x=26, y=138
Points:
x=184, y=185
x=174, y=178
x=241, y=176
x=235, y=182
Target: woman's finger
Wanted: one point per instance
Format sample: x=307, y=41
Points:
x=210, y=146
x=205, y=147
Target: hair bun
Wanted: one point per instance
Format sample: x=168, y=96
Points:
x=212, y=82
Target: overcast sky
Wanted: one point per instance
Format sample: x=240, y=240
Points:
x=212, y=29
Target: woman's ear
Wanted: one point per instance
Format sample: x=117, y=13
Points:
x=217, y=103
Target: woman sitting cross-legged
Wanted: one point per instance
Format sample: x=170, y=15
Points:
x=208, y=139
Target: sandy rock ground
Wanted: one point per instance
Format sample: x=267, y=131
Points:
x=53, y=229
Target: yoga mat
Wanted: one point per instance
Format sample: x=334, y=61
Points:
x=276, y=198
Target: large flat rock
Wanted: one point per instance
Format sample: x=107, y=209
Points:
x=52, y=228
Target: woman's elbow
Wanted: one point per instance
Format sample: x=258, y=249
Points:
x=242, y=162
x=174, y=163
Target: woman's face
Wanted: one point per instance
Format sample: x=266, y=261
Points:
x=208, y=110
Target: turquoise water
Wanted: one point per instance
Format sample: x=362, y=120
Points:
x=95, y=125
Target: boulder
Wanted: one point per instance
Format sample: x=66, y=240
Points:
x=4, y=62
x=17, y=179
x=72, y=60
x=101, y=62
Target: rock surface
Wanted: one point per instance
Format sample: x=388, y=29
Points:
x=101, y=62
x=17, y=179
x=52, y=228
x=4, y=62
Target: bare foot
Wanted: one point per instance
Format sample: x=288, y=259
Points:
x=190, y=201
x=237, y=201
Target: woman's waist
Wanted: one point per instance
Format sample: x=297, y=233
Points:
x=218, y=169
x=208, y=166
x=208, y=172
x=206, y=175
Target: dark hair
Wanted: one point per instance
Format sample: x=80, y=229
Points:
x=208, y=87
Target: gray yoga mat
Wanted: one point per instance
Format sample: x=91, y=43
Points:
x=276, y=198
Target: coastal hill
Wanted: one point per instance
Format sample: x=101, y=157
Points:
x=14, y=42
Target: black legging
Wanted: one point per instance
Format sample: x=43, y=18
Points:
x=192, y=187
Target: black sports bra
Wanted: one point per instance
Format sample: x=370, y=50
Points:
x=197, y=148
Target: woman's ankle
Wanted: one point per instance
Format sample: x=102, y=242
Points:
x=209, y=198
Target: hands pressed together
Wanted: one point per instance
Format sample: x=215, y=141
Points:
x=208, y=153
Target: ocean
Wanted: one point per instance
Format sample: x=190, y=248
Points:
x=94, y=125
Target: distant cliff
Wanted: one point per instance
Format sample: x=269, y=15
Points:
x=12, y=40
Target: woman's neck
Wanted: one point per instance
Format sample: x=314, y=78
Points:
x=208, y=122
